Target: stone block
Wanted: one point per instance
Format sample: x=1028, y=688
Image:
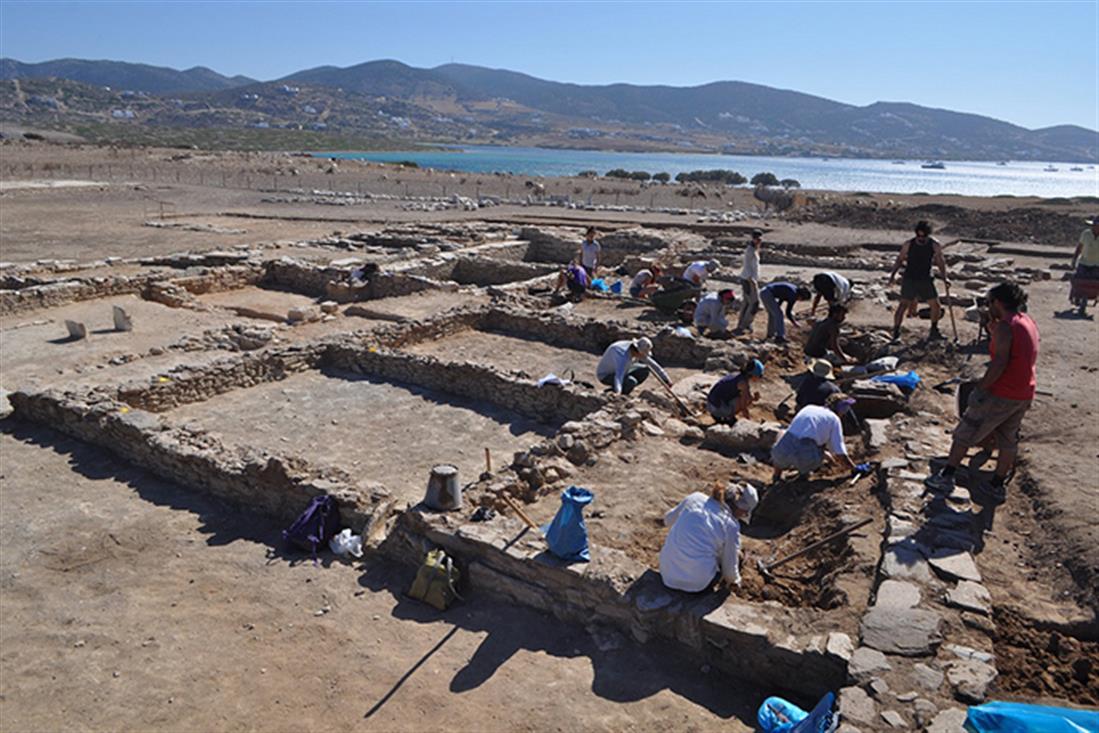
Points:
x=304, y=314
x=928, y=677
x=77, y=330
x=970, y=679
x=876, y=430
x=905, y=562
x=865, y=663
x=954, y=565
x=897, y=594
x=970, y=596
x=743, y=436
x=122, y=320
x=911, y=632
x=948, y=721
x=856, y=705
x=893, y=719
x=840, y=645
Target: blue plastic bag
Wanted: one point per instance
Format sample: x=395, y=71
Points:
x=779, y=716
x=1017, y=717
x=907, y=382
x=617, y=287
x=567, y=535
x=599, y=284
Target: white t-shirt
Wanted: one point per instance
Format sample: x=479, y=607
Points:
x=641, y=279
x=696, y=271
x=710, y=313
x=616, y=360
x=704, y=539
x=589, y=254
x=820, y=425
x=750, y=270
x=843, y=286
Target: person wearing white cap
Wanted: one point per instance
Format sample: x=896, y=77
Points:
x=626, y=364
x=703, y=544
x=814, y=433
x=697, y=272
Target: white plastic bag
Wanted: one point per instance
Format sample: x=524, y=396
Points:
x=345, y=543
x=884, y=364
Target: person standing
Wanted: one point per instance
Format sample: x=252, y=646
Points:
x=590, y=252
x=626, y=364
x=709, y=316
x=1003, y=395
x=917, y=283
x=703, y=544
x=1085, y=261
x=731, y=396
x=772, y=296
x=833, y=287
x=749, y=283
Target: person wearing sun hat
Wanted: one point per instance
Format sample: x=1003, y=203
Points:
x=626, y=364
x=816, y=386
x=731, y=396
x=703, y=542
x=814, y=434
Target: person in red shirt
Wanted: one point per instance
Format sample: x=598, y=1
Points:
x=996, y=406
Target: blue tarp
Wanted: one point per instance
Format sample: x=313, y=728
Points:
x=1017, y=717
x=907, y=382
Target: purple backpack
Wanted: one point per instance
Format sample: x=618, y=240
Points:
x=317, y=524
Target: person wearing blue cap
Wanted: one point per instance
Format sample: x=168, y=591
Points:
x=732, y=395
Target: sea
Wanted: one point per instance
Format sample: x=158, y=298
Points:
x=969, y=178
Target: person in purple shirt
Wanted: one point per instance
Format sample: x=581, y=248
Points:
x=772, y=296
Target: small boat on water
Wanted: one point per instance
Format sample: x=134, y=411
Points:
x=1050, y=168
x=933, y=165
x=1077, y=169
x=1002, y=162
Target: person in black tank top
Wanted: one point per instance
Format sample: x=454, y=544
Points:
x=917, y=284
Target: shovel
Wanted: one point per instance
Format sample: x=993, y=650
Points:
x=686, y=411
x=766, y=568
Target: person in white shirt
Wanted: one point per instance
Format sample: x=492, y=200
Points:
x=814, y=433
x=710, y=312
x=703, y=544
x=833, y=287
x=626, y=364
x=697, y=272
x=749, y=283
x=590, y=251
x=645, y=283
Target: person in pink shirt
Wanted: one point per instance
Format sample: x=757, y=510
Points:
x=996, y=406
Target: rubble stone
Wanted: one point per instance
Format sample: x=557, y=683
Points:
x=897, y=594
x=865, y=663
x=970, y=596
x=909, y=632
x=955, y=565
x=970, y=679
x=856, y=705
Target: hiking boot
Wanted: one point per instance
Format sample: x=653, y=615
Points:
x=940, y=482
x=935, y=334
x=896, y=333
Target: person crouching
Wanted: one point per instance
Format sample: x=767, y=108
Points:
x=814, y=434
x=703, y=544
x=731, y=396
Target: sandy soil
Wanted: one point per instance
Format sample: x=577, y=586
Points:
x=133, y=604
x=384, y=431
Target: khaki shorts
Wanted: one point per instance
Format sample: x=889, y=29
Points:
x=987, y=415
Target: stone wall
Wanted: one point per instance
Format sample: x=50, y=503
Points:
x=774, y=647
x=550, y=404
x=308, y=278
x=275, y=485
x=561, y=244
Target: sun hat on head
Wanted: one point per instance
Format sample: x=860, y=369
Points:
x=746, y=501
x=643, y=345
x=712, y=265
x=822, y=368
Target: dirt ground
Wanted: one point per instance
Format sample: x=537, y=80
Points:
x=383, y=431
x=129, y=603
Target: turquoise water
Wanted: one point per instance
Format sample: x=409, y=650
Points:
x=971, y=178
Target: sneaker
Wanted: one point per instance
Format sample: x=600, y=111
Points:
x=940, y=482
x=935, y=334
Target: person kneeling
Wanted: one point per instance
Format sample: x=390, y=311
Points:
x=709, y=315
x=626, y=364
x=703, y=544
x=731, y=396
x=814, y=433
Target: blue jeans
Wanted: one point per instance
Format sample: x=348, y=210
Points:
x=776, y=322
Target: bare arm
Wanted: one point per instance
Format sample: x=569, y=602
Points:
x=813, y=310
x=1076, y=254
x=940, y=260
x=1001, y=346
x=898, y=263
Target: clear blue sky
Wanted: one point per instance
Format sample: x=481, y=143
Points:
x=1032, y=63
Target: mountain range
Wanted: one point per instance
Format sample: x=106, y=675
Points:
x=462, y=103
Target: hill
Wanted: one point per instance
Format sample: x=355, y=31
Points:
x=462, y=103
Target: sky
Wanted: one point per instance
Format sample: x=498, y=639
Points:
x=1032, y=63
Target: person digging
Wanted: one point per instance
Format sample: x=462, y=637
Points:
x=626, y=364
x=646, y=282
x=1002, y=396
x=703, y=544
x=823, y=341
x=709, y=315
x=917, y=284
x=815, y=435
x=732, y=396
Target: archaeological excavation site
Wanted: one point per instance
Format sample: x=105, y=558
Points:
x=353, y=365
